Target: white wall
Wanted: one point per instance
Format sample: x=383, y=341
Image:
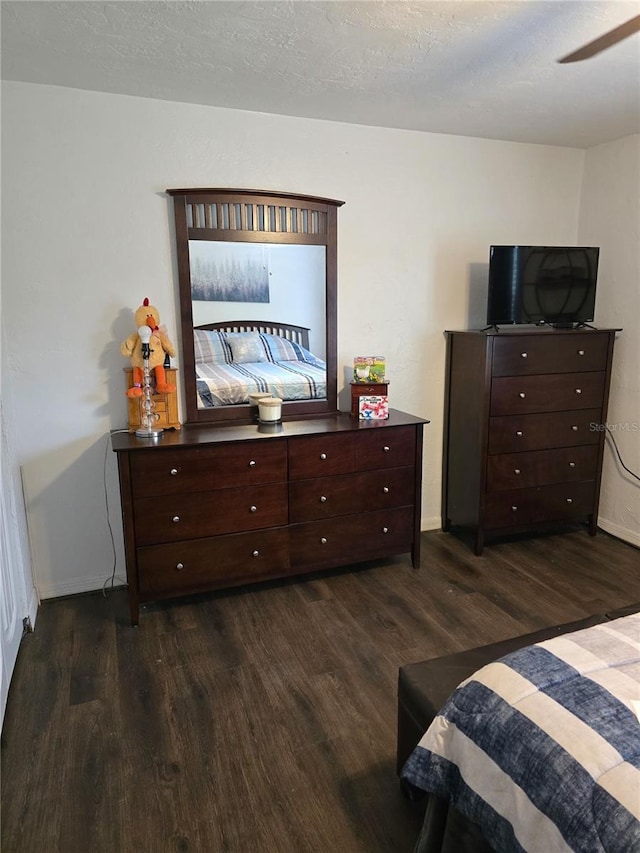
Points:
x=87, y=235
x=610, y=218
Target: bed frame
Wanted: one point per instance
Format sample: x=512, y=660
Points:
x=295, y=334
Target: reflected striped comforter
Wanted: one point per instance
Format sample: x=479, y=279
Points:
x=542, y=748
x=227, y=384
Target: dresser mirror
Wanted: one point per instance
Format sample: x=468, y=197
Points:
x=257, y=275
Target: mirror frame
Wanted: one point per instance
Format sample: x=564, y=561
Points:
x=255, y=216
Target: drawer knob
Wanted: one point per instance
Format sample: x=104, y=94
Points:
x=255, y=553
x=578, y=390
x=514, y=509
x=323, y=499
x=175, y=519
x=173, y=472
x=385, y=489
x=253, y=508
x=519, y=433
x=179, y=566
x=572, y=464
x=252, y=464
x=385, y=529
x=569, y=500
x=386, y=448
x=522, y=395
x=524, y=355
x=323, y=540
x=580, y=352
x=574, y=428
x=516, y=471
x=323, y=456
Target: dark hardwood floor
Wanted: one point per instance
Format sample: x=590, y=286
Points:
x=263, y=719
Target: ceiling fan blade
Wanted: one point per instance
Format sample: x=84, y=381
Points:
x=605, y=41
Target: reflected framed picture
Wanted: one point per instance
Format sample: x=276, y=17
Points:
x=228, y=272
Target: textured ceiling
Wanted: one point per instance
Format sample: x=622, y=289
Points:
x=469, y=67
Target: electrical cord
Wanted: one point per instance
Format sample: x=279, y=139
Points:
x=113, y=577
x=609, y=435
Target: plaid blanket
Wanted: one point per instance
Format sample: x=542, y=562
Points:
x=232, y=365
x=541, y=749
x=224, y=384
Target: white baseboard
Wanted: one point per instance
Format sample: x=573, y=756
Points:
x=434, y=522
x=617, y=530
x=620, y=532
x=32, y=607
x=74, y=587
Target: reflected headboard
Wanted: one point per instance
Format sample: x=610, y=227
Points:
x=296, y=334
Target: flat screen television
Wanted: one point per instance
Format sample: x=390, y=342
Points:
x=555, y=285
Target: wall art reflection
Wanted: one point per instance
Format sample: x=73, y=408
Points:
x=228, y=272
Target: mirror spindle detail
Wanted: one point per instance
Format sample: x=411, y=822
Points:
x=255, y=218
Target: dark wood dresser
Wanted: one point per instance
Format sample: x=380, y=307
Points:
x=213, y=507
x=523, y=441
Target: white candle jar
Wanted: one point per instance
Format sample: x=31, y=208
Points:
x=254, y=399
x=270, y=409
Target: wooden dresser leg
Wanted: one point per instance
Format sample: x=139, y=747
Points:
x=134, y=609
x=478, y=545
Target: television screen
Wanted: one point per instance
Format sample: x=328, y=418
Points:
x=542, y=284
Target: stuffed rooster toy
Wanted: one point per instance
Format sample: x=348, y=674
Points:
x=158, y=344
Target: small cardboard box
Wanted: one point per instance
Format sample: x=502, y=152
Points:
x=373, y=407
x=369, y=368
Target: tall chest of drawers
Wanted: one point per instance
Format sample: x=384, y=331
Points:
x=215, y=507
x=523, y=440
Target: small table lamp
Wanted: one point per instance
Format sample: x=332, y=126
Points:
x=148, y=417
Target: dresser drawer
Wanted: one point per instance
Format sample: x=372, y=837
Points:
x=553, y=393
x=168, y=518
x=320, y=455
x=351, y=539
x=378, y=447
x=201, y=469
x=346, y=494
x=541, y=467
x=538, y=432
x=183, y=567
x=548, y=353
x=546, y=503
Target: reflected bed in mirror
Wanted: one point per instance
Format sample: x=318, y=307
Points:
x=244, y=252
x=235, y=360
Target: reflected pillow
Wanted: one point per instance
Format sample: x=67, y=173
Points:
x=247, y=347
x=280, y=349
x=211, y=347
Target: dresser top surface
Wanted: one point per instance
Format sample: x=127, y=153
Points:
x=191, y=436
x=527, y=330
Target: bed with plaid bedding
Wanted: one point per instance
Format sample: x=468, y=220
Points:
x=231, y=366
